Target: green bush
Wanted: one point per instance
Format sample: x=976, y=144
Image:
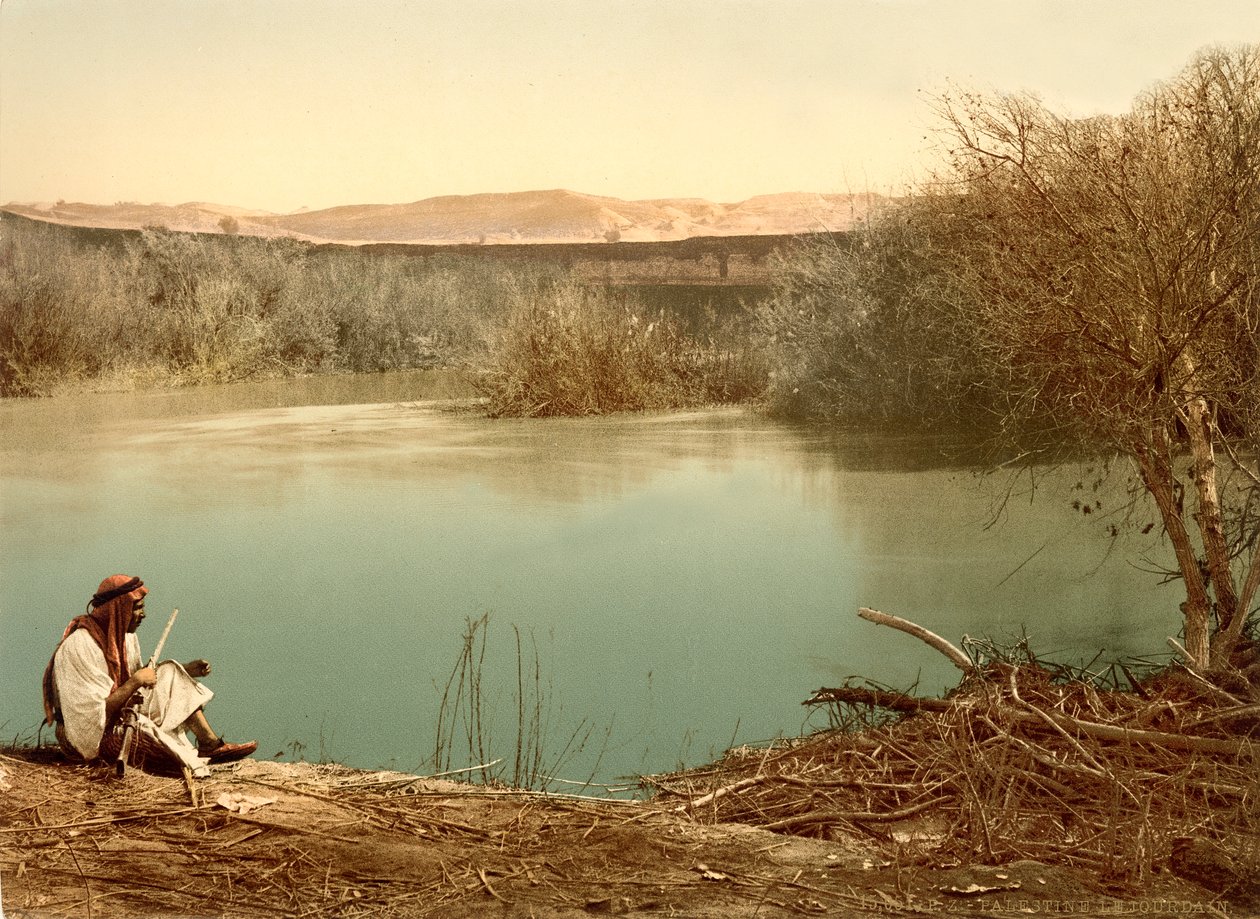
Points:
x=860, y=331
x=395, y=312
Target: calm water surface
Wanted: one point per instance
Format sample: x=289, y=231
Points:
x=687, y=579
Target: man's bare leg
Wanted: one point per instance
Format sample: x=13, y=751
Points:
x=197, y=723
x=210, y=744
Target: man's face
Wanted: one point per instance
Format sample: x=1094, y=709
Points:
x=137, y=615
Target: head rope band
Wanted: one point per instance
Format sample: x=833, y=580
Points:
x=105, y=596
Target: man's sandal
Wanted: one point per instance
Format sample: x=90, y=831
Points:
x=224, y=752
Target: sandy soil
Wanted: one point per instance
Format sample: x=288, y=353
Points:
x=271, y=839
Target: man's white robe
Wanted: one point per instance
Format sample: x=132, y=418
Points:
x=82, y=683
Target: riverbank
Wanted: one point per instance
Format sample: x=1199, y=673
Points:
x=268, y=839
x=1029, y=789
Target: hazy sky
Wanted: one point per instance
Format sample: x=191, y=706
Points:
x=280, y=104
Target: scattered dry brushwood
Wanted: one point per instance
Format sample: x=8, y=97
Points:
x=1023, y=760
x=263, y=839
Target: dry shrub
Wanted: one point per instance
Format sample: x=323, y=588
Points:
x=214, y=310
x=49, y=332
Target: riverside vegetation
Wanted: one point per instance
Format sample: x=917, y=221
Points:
x=1089, y=284
x=163, y=308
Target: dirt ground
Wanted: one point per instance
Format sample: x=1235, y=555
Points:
x=296, y=839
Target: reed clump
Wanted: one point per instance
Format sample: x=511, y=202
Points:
x=568, y=349
x=467, y=742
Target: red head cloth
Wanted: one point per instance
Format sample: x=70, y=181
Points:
x=107, y=619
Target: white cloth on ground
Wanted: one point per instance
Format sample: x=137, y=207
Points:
x=82, y=682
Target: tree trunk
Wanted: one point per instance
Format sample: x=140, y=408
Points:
x=1157, y=474
x=1198, y=421
x=1250, y=588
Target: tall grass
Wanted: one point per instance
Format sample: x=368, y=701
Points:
x=570, y=349
x=466, y=741
x=213, y=311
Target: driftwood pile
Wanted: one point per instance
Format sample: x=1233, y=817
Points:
x=1023, y=760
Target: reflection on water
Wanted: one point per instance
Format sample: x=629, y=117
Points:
x=688, y=579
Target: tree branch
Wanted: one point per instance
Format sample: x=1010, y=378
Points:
x=956, y=656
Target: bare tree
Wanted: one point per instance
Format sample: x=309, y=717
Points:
x=1112, y=263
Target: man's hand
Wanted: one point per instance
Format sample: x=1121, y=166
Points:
x=141, y=679
x=198, y=668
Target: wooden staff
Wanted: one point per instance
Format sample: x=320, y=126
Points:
x=128, y=732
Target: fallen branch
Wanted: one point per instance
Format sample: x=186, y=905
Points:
x=1210, y=686
x=485, y=881
x=289, y=828
x=956, y=657
x=101, y=821
x=1129, y=735
x=724, y=790
x=877, y=698
x=1229, y=714
x=1055, y=725
x=438, y=775
x=817, y=817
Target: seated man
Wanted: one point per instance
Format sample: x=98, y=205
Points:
x=92, y=681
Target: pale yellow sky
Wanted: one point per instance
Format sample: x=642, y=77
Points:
x=282, y=104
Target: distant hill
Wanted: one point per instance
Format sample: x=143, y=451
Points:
x=519, y=217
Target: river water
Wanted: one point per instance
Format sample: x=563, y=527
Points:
x=685, y=580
